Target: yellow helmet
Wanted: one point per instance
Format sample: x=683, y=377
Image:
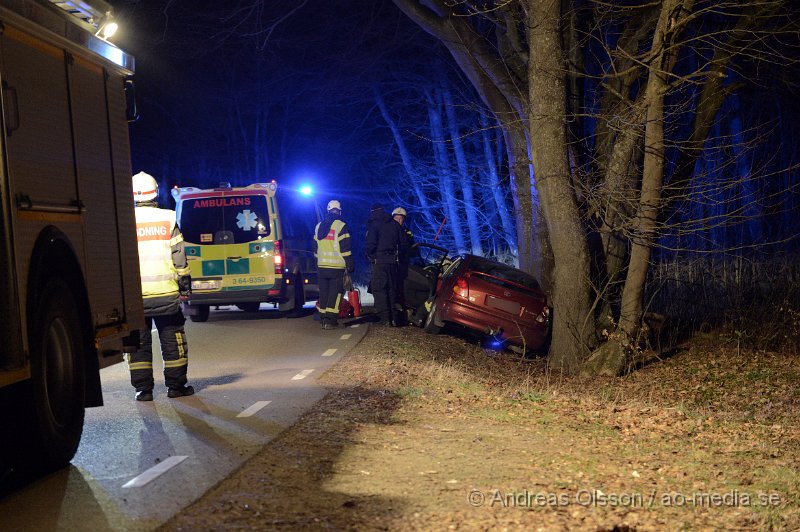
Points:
x=334, y=204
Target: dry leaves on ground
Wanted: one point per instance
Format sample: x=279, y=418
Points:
x=432, y=432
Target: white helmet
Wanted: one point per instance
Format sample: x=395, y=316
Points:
x=399, y=210
x=145, y=187
x=334, y=204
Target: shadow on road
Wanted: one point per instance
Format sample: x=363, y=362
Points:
x=284, y=486
x=48, y=503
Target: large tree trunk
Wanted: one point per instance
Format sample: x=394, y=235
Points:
x=663, y=56
x=614, y=357
x=617, y=198
x=573, y=326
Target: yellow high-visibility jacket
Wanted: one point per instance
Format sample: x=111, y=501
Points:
x=162, y=258
x=332, y=248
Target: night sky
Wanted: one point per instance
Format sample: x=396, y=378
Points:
x=249, y=91
x=211, y=80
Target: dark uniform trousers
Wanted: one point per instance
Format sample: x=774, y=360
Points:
x=331, y=290
x=174, y=351
x=384, y=289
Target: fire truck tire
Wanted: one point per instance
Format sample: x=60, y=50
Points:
x=57, y=376
x=202, y=314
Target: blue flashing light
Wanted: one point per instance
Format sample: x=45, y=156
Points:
x=306, y=190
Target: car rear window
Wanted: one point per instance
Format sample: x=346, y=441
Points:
x=225, y=220
x=505, y=273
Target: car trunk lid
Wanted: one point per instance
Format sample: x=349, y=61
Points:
x=504, y=296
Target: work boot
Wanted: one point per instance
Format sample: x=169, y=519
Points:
x=180, y=392
x=144, y=395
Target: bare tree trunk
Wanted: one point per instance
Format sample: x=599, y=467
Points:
x=519, y=170
x=498, y=196
x=501, y=87
x=424, y=205
x=470, y=208
x=447, y=189
x=573, y=327
x=618, y=195
x=663, y=54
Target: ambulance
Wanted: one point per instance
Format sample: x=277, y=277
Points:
x=242, y=252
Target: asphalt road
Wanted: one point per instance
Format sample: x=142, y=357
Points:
x=140, y=463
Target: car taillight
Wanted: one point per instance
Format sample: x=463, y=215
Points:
x=278, y=258
x=461, y=288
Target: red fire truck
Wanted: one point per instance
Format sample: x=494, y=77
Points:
x=70, y=296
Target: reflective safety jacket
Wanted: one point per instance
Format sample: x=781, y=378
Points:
x=162, y=259
x=332, y=245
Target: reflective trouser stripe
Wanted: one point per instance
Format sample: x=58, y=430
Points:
x=335, y=308
x=331, y=288
x=180, y=351
x=174, y=351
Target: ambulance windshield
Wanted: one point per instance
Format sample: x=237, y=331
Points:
x=225, y=220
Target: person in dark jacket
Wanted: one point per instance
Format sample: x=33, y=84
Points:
x=165, y=281
x=411, y=250
x=386, y=242
x=333, y=250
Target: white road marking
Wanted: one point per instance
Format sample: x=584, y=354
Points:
x=329, y=352
x=345, y=337
x=249, y=411
x=354, y=326
x=154, y=472
x=302, y=375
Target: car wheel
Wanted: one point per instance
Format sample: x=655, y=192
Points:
x=57, y=377
x=249, y=307
x=202, y=314
x=430, y=322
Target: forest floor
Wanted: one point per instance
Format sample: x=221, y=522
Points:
x=424, y=432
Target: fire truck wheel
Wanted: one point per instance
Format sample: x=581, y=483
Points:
x=202, y=314
x=57, y=376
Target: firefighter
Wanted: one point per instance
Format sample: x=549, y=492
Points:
x=411, y=250
x=165, y=281
x=332, y=248
x=386, y=242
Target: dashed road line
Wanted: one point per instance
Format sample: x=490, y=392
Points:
x=154, y=472
x=302, y=375
x=345, y=337
x=249, y=411
x=355, y=326
x=329, y=352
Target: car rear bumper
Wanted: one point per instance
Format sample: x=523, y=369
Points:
x=517, y=332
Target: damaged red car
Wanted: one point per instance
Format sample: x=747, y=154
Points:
x=493, y=299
